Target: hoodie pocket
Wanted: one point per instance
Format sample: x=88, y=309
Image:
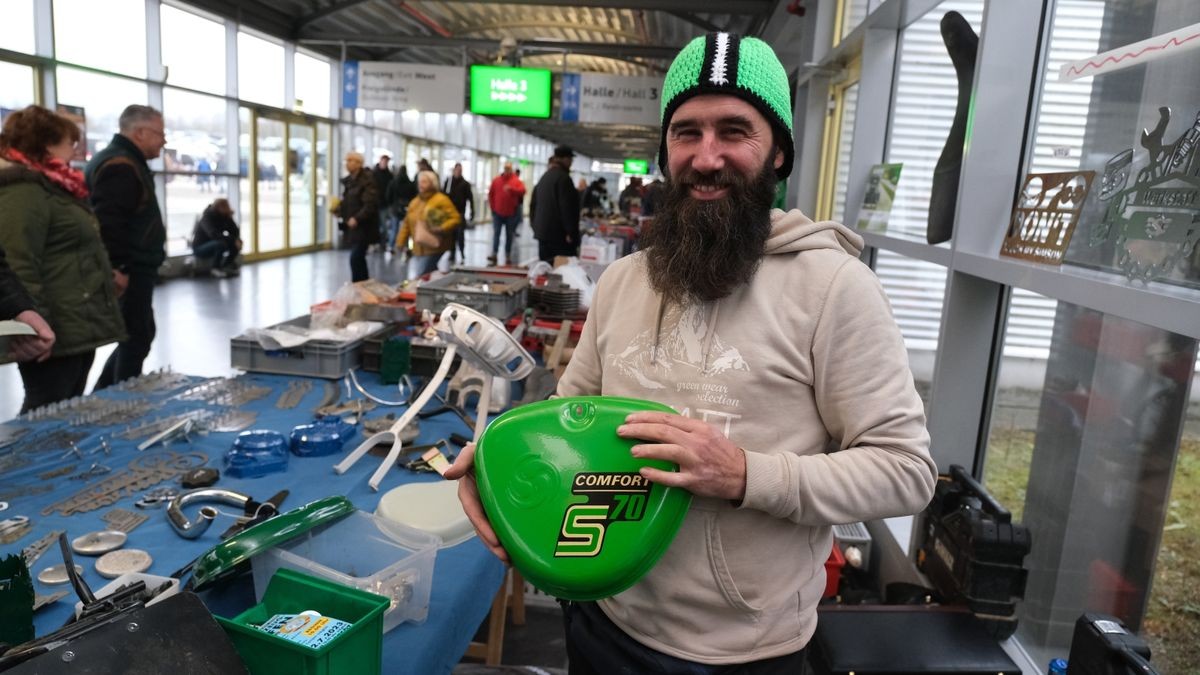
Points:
x=720, y=568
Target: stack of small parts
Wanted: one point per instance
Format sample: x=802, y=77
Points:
x=551, y=297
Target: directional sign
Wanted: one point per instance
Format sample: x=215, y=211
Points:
x=638, y=167
x=516, y=92
x=386, y=85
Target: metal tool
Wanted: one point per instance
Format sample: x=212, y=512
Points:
x=96, y=469
x=143, y=472
x=12, y=529
x=123, y=520
x=182, y=429
x=156, y=497
x=32, y=552
x=40, y=601
x=295, y=392
x=255, y=513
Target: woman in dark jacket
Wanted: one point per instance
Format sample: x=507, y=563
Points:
x=359, y=211
x=53, y=245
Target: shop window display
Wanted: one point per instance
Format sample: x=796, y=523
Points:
x=1097, y=451
x=1137, y=222
x=926, y=91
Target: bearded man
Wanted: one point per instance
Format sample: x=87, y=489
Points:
x=777, y=347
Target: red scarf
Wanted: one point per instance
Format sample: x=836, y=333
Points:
x=59, y=172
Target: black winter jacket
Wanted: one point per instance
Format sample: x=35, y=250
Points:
x=214, y=225
x=13, y=298
x=460, y=194
x=554, y=208
x=122, y=193
x=360, y=200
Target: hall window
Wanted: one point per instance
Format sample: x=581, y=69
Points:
x=260, y=70
x=193, y=50
x=109, y=35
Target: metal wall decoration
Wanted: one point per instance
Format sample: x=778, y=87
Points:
x=1045, y=215
x=1155, y=223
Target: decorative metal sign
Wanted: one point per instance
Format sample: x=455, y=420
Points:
x=1045, y=216
x=1155, y=223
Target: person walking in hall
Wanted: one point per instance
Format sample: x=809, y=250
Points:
x=382, y=174
x=504, y=196
x=554, y=208
x=131, y=225
x=399, y=193
x=429, y=223
x=458, y=189
x=60, y=282
x=359, y=214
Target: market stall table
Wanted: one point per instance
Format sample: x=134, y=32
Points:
x=466, y=576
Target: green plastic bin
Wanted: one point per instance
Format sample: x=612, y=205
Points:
x=358, y=651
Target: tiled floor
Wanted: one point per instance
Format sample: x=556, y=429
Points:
x=197, y=317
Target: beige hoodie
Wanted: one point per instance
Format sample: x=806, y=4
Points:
x=805, y=369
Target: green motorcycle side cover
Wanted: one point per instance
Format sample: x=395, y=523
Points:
x=564, y=495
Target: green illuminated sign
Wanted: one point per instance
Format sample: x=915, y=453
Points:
x=637, y=166
x=515, y=92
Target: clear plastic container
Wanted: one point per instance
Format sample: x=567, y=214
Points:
x=365, y=552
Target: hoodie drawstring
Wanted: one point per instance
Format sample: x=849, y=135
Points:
x=662, y=310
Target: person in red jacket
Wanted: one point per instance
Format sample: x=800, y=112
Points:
x=504, y=198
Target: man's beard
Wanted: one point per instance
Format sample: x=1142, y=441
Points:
x=700, y=251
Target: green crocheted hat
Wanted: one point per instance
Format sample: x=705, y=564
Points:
x=729, y=64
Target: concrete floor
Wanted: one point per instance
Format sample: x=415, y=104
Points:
x=196, y=317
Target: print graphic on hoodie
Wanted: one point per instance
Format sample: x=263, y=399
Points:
x=690, y=348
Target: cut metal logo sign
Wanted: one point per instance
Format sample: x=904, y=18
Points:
x=1155, y=223
x=1045, y=216
x=611, y=498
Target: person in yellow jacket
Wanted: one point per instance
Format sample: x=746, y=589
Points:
x=430, y=224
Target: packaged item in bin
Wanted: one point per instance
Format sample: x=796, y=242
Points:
x=307, y=628
x=256, y=453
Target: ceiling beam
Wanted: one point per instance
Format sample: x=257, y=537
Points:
x=695, y=20
x=726, y=7
x=334, y=8
x=536, y=45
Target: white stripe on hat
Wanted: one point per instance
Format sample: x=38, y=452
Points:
x=720, y=60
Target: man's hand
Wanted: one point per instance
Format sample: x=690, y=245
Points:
x=121, y=281
x=352, y=223
x=468, y=494
x=32, y=347
x=710, y=465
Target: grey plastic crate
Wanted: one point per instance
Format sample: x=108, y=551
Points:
x=506, y=295
x=315, y=358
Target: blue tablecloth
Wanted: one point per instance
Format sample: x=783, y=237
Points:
x=466, y=577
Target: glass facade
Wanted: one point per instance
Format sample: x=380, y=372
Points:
x=1084, y=447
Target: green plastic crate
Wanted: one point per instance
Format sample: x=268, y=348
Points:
x=358, y=651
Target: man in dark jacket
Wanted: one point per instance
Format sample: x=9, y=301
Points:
x=359, y=212
x=554, y=209
x=459, y=191
x=596, y=195
x=16, y=305
x=382, y=173
x=131, y=225
x=217, y=236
